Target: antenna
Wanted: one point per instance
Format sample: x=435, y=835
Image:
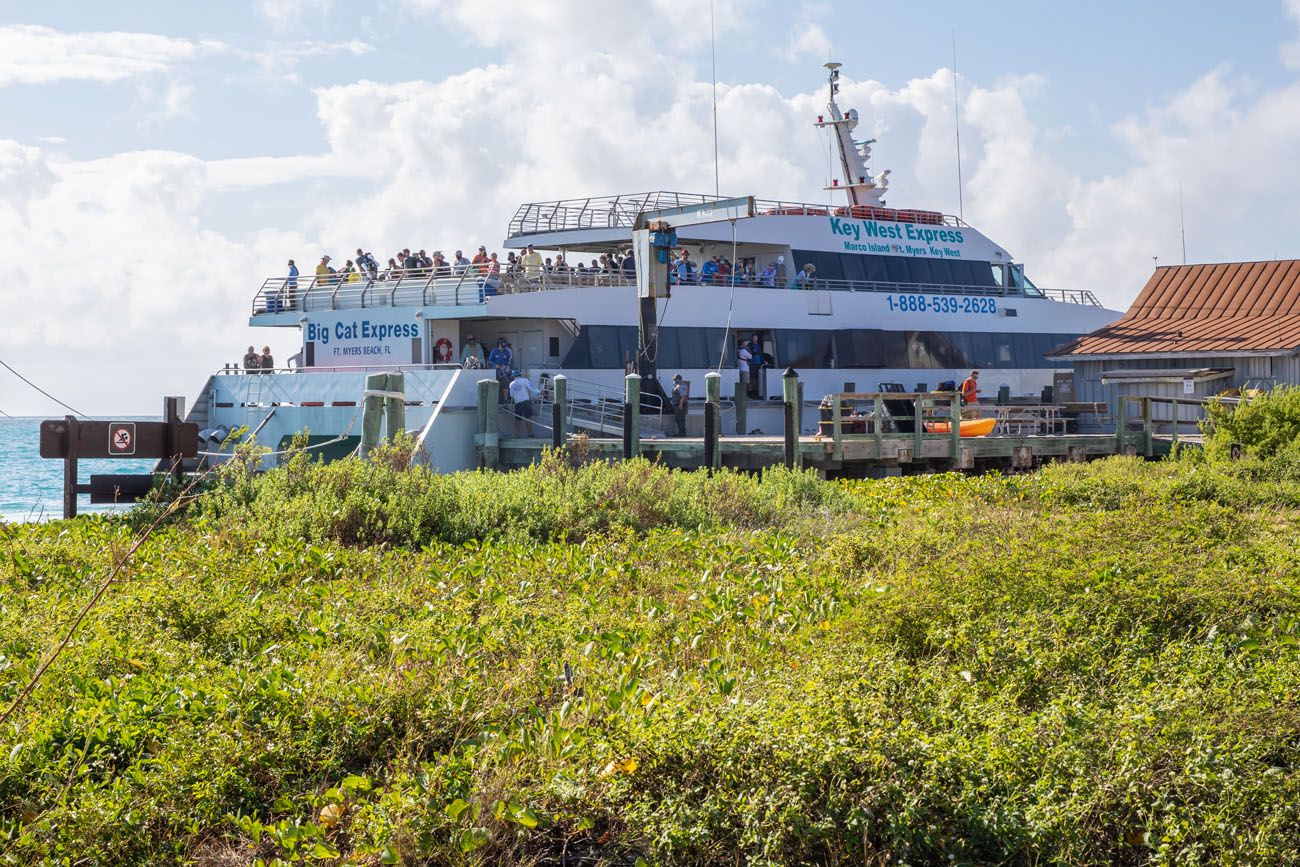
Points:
x=713, y=57
x=956, y=116
x=1182, y=223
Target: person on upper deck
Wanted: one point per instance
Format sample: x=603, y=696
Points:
x=460, y=263
x=532, y=262
x=804, y=279
x=291, y=285
x=709, y=271
x=628, y=266
x=252, y=361
x=481, y=260
x=768, y=277
x=266, y=362
x=440, y=266
x=685, y=268
x=323, y=271
x=782, y=276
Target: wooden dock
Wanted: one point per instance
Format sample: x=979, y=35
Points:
x=876, y=447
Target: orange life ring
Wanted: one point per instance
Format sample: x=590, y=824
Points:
x=442, y=350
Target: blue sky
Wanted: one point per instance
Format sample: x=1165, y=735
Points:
x=159, y=159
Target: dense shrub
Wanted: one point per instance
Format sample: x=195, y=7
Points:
x=361, y=663
x=1266, y=426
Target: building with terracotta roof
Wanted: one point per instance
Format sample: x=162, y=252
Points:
x=1196, y=331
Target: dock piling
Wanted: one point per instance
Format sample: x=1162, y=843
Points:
x=712, y=420
x=790, y=397
x=395, y=407
x=559, y=403
x=372, y=412
x=741, y=400
x=632, y=416
x=488, y=391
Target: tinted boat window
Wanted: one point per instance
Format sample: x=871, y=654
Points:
x=960, y=274
x=920, y=271
x=853, y=266
x=803, y=347
x=876, y=270
x=827, y=264
x=896, y=268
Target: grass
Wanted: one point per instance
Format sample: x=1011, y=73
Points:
x=368, y=664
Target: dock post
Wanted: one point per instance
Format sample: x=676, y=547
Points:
x=395, y=407
x=790, y=397
x=918, y=426
x=488, y=391
x=1149, y=426
x=712, y=420
x=741, y=400
x=837, y=427
x=878, y=424
x=632, y=416
x=173, y=409
x=70, y=440
x=372, y=412
x=559, y=403
x=954, y=430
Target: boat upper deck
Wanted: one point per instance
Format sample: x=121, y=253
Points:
x=470, y=288
x=620, y=212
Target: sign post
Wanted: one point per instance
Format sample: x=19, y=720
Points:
x=71, y=440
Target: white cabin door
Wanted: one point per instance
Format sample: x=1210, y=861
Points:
x=530, y=349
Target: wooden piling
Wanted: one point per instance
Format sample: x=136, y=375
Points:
x=395, y=407
x=790, y=397
x=70, y=467
x=741, y=399
x=632, y=416
x=372, y=413
x=559, y=406
x=712, y=420
x=488, y=392
x=954, y=429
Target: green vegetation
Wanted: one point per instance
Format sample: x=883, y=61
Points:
x=365, y=663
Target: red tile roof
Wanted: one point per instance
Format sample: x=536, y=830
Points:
x=1227, y=307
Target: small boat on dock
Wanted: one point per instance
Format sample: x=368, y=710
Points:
x=969, y=427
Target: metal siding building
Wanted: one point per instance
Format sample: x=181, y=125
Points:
x=1221, y=326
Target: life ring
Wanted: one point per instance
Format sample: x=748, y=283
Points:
x=442, y=350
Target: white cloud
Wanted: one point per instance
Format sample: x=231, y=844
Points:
x=142, y=294
x=1290, y=52
x=283, y=14
x=810, y=41
x=30, y=54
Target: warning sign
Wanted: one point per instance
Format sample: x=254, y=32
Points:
x=121, y=438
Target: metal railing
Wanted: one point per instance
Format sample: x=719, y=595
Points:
x=286, y=294
x=620, y=212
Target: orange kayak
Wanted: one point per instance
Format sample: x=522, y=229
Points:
x=971, y=427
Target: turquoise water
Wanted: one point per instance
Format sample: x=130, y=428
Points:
x=31, y=488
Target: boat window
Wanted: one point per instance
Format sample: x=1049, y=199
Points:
x=961, y=347
x=960, y=273
x=579, y=355
x=670, y=348
x=896, y=268
x=997, y=274
x=982, y=352
x=876, y=270
x=803, y=347
x=1004, y=350
x=1025, y=351
x=920, y=271
x=855, y=270
x=827, y=264
x=605, y=349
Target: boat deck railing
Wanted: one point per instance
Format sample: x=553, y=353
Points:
x=620, y=212
x=472, y=288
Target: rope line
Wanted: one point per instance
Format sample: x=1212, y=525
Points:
x=42, y=391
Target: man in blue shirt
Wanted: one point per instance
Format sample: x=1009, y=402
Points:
x=709, y=271
x=501, y=359
x=685, y=269
x=291, y=286
x=755, y=366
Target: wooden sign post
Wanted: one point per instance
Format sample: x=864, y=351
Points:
x=70, y=440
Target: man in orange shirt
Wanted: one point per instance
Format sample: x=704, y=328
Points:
x=970, y=393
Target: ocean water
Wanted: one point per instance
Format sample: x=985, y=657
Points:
x=31, y=488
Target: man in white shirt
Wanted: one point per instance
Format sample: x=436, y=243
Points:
x=743, y=357
x=532, y=261
x=521, y=394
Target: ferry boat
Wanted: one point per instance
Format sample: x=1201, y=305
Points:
x=894, y=298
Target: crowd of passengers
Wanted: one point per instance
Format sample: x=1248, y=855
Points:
x=487, y=269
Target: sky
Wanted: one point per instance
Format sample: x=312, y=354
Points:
x=159, y=160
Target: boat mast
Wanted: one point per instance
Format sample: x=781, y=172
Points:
x=861, y=187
